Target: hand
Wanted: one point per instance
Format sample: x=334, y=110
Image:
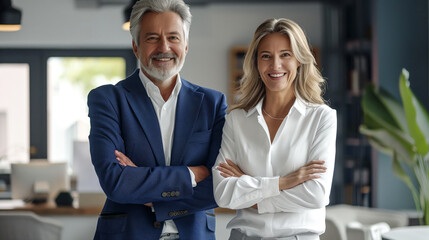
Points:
x=254, y=206
x=124, y=160
x=307, y=172
x=229, y=169
x=200, y=172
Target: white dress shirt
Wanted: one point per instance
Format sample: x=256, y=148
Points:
x=307, y=133
x=166, y=112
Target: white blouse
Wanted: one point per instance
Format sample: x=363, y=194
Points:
x=307, y=133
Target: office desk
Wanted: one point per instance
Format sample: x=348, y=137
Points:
x=52, y=209
x=78, y=223
x=48, y=208
x=407, y=233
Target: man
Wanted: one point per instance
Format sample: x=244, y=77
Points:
x=154, y=136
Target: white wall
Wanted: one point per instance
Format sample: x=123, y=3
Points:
x=52, y=24
x=215, y=29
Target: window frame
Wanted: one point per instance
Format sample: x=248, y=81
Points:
x=37, y=60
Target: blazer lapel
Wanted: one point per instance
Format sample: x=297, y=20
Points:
x=187, y=110
x=143, y=109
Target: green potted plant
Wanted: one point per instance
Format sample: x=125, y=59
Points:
x=401, y=131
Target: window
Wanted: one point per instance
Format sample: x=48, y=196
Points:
x=69, y=81
x=43, y=94
x=14, y=113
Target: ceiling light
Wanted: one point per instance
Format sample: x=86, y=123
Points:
x=10, y=18
x=127, y=14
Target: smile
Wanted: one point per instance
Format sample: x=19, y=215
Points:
x=162, y=59
x=276, y=75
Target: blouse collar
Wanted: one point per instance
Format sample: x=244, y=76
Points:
x=299, y=105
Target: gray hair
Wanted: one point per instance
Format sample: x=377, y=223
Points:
x=144, y=6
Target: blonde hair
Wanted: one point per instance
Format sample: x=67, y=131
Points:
x=308, y=83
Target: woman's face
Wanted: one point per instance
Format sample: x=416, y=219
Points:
x=277, y=64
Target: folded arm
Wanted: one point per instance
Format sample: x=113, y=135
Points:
x=312, y=193
x=308, y=172
x=199, y=172
x=202, y=198
x=124, y=184
x=307, y=187
x=232, y=187
x=168, y=188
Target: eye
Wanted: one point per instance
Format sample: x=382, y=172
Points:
x=286, y=54
x=174, y=38
x=265, y=56
x=151, y=39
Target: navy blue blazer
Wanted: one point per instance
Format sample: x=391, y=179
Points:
x=123, y=118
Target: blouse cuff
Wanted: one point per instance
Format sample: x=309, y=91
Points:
x=270, y=188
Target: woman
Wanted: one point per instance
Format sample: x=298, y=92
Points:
x=276, y=160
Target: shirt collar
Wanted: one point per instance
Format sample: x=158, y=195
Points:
x=299, y=105
x=152, y=89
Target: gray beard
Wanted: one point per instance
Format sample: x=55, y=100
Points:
x=163, y=74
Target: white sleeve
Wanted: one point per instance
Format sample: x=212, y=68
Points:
x=311, y=194
x=243, y=192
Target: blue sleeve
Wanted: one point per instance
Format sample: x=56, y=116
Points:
x=202, y=197
x=129, y=185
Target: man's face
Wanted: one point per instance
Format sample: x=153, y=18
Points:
x=162, y=45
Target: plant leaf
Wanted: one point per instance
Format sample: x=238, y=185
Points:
x=391, y=141
x=373, y=107
x=399, y=171
x=395, y=109
x=416, y=115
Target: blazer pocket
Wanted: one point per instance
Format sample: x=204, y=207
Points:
x=211, y=221
x=112, y=222
x=201, y=137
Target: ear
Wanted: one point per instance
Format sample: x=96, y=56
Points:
x=186, y=49
x=135, y=50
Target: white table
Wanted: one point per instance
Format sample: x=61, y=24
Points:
x=407, y=233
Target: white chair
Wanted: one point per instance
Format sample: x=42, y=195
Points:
x=339, y=216
x=18, y=225
x=359, y=231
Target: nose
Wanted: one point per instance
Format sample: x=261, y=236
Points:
x=163, y=45
x=276, y=62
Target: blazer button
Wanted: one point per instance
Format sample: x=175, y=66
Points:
x=164, y=194
x=173, y=193
x=177, y=193
x=168, y=194
x=156, y=224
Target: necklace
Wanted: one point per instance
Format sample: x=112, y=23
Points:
x=274, y=118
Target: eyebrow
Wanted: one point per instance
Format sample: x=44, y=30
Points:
x=284, y=50
x=174, y=33
x=170, y=33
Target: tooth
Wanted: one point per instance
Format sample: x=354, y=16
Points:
x=163, y=59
